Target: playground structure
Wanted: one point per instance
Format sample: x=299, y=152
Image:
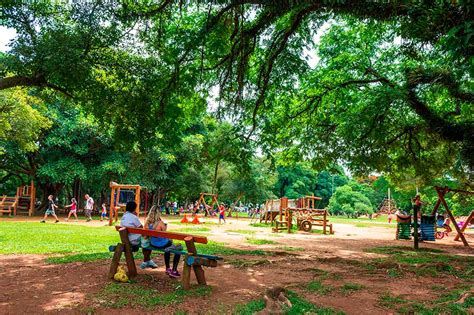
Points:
x=428, y=223
x=115, y=204
x=202, y=201
x=387, y=206
x=303, y=210
x=270, y=211
x=22, y=203
x=442, y=191
x=467, y=221
x=234, y=204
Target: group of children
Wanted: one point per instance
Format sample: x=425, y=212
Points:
x=153, y=221
x=50, y=210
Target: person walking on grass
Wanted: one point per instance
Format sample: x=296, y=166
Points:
x=89, y=206
x=221, y=213
x=73, y=209
x=50, y=210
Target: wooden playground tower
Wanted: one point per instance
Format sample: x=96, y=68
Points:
x=442, y=191
x=303, y=210
x=115, y=198
x=388, y=205
x=202, y=201
x=22, y=203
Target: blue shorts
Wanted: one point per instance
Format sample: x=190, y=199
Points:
x=221, y=216
x=103, y=214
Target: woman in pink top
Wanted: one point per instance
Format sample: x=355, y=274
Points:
x=73, y=210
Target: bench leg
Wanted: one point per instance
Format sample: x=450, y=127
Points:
x=115, y=260
x=132, y=269
x=186, y=277
x=200, y=276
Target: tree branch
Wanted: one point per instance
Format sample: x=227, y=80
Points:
x=38, y=81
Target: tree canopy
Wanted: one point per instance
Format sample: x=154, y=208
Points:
x=168, y=93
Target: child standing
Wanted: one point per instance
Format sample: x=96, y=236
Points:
x=73, y=209
x=103, y=214
x=222, y=213
x=446, y=224
x=50, y=210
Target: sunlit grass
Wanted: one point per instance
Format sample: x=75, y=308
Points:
x=256, y=241
x=82, y=243
x=118, y=295
x=299, y=306
x=242, y=231
x=48, y=238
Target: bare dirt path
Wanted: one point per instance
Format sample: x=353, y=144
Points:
x=29, y=285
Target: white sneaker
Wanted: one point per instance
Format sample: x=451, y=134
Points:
x=152, y=264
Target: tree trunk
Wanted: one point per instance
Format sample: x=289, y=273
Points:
x=158, y=197
x=214, y=183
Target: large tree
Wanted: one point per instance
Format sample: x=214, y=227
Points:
x=383, y=65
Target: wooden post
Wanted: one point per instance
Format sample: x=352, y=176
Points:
x=435, y=209
x=112, y=205
x=324, y=221
x=441, y=193
x=283, y=205
x=137, y=200
x=415, y=225
x=186, y=278
x=32, y=199
x=116, y=202
x=289, y=219
x=115, y=260
x=132, y=269
x=464, y=226
x=15, y=204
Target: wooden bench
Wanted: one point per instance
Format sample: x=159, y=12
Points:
x=191, y=257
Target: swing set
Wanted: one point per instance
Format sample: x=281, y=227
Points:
x=202, y=201
x=126, y=192
x=234, y=204
x=442, y=191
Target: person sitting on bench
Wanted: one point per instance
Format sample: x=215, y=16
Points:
x=130, y=219
x=154, y=222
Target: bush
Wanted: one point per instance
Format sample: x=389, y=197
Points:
x=348, y=202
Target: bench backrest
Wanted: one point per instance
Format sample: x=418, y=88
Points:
x=170, y=235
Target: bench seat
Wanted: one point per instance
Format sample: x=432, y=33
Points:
x=176, y=252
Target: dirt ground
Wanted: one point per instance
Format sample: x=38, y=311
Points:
x=29, y=285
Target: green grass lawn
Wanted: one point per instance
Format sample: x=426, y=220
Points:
x=80, y=243
x=380, y=221
x=41, y=238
